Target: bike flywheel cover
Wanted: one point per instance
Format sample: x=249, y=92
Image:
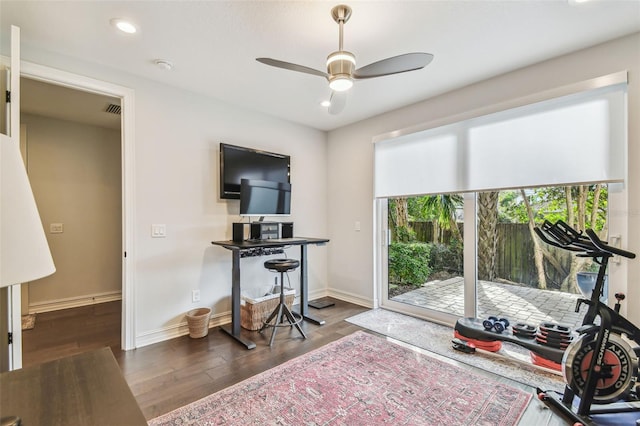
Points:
x=620, y=367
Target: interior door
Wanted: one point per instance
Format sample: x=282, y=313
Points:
x=10, y=298
x=24, y=286
x=4, y=293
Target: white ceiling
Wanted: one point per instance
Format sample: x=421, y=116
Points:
x=213, y=44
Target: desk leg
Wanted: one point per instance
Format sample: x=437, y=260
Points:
x=304, y=288
x=234, y=330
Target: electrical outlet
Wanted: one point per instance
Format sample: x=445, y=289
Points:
x=195, y=295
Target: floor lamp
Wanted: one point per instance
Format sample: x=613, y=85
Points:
x=24, y=252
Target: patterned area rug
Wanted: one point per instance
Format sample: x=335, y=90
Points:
x=360, y=379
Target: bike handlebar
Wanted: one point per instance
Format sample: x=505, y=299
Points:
x=565, y=237
x=544, y=238
x=603, y=246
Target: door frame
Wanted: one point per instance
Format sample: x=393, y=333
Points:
x=127, y=130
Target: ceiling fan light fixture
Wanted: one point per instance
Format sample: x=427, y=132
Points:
x=341, y=55
x=340, y=83
x=340, y=68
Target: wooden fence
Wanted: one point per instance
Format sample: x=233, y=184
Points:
x=514, y=256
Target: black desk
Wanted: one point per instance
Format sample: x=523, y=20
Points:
x=237, y=247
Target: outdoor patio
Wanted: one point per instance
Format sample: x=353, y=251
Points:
x=517, y=304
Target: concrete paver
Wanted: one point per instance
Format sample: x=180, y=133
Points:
x=518, y=304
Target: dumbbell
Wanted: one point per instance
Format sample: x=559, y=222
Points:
x=493, y=323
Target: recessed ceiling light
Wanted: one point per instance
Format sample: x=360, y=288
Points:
x=163, y=64
x=325, y=104
x=124, y=26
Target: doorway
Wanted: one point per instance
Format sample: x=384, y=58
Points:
x=71, y=145
x=125, y=95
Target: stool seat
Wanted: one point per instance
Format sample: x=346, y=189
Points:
x=281, y=265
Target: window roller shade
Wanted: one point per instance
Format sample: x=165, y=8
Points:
x=579, y=138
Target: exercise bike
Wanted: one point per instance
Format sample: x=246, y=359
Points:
x=600, y=367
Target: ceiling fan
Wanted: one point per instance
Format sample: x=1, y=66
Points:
x=341, y=65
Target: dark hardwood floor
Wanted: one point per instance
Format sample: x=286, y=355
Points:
x=170, y=374
x=68, y=332
x=167, y=375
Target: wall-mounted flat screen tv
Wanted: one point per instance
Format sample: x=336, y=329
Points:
x=264, y=198
x=237, y=163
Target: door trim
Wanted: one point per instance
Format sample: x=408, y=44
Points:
x=86, y=84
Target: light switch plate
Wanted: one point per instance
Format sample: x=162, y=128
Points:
x=56, y=228
x=158, y=230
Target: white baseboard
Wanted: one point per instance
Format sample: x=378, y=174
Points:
x=74, y=302
x=350, y=297
x=181, y=329
x=177, y=330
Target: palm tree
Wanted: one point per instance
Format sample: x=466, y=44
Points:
x=442, y=208
x=487, y=235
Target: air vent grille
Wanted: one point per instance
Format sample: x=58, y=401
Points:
x=114, y=109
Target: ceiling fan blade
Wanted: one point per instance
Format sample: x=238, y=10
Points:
x=291, y=67
x=394, y=65
x=338, y=101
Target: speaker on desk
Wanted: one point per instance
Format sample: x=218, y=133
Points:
x=238, y=231
x=287, y=230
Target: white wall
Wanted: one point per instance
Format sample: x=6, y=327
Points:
x=177, y=136
x=350, y=157
x=75, y=175
x=177, y=160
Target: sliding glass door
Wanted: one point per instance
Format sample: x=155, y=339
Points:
x=425, y=253
x=448, y=256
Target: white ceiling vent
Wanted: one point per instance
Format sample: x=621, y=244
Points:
x=114, y=109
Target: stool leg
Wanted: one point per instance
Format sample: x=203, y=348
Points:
x=293, y=321
x=268, y=321
x=278, y=320
x=282, y=296
x=287, y=312
x=277, y=313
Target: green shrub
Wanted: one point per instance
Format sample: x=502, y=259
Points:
x=405, y=234
x=409, y=263
x=447, y=258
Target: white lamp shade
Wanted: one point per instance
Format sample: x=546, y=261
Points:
x=24, y=252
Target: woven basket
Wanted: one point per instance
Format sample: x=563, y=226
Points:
x=198, y=322
x=253, y=313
